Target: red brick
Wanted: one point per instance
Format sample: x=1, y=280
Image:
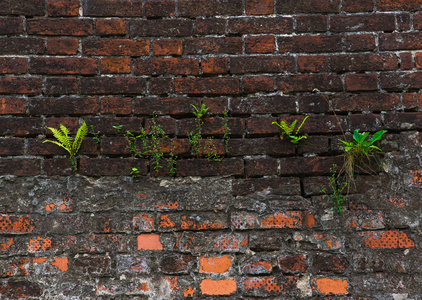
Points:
x=363, y=62
x=400, y=41
x=112, y=85
x=71, y=123
x=215, y=65
x=258, y=266
x=330, y=286
x=92, y=264
x=165, y=66
x=116, y=105
x=403, y=21
x=160, y=85
x=307, y=83
x=226, y=286
x=254, y=84
x=160, y=8
x=314, y=103
x=105, y=124
x=406, y=61
x=372, y=22
x=20, y=166
x=215, y=85
x=260, y=44
x=74, y=27
x=358, y=6
x=191, y=8
x=261, y=167
x=274, y=25
x=411, y=100
x=21, y=45
x=61, y=46
x=164, y=106
x=213, y=45
x=361, y=82
x=20, y=85
x=321, y=124
x=417, y=21
x=118, y=47
x=106, y=8
x=176, y=263
x=11, y=146
x=360, y=42
x=259, y=7
x=167, y=124
x=391, y=5
x=115, y=65
x=60, y=86
x=63, y=8
x=269, y=146
x=159, y=28
x=263, y=105
x=314, y=63
x=204, y=167
x=418, y=60
x=11, y=25
x=13, y=65
x=111, y=166
x=104, y=27
x=262, y=64
x=306, y=6
x=261, y=126
x=401, y=80
x=330, y=263
x=410, y=120
x=23, y=7
x=21, y=126
x=314, y=144
x=20, y=289
x=37, y=147
x=12, y=224
x=167, y=47
x=63, y=66
x=293, y=263
x=202, y=221
x=310, y=43
x=114, y=146
x=311, y=23
x=365, y=122
x=210, y=26
x=288, y=219
x=365, y=102
x=63, y=106
x=305, y=165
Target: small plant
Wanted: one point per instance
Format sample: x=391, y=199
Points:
x=96, y=134
x=226, y=131
x=118, y=127
x=201, y=112
x=358, y=151
x=337, y=198
x=68, y=143
x=172, y=160
x=289, y=130
x=134, y=172
x=210, y=150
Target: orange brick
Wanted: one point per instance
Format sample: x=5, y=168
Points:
x=331, y=286
x=417, y=177
x=39, y=244
x=16, y=224
x=215, y=264
x=215, y=65
x=218, y=287
x=149, y=242
x=387, y=239
x=114, y=65
x=291, y=219
x=167, y=47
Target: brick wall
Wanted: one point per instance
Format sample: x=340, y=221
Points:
x=254, y=224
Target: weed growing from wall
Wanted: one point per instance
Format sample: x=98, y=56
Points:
x=337, y=198
x=289, y=130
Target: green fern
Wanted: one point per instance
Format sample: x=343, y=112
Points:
x=289, y=130
x=71, y=145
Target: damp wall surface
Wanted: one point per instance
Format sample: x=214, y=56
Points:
x=254, y=224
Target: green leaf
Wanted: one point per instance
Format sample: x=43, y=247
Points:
x=377, y=136
x=80, y=134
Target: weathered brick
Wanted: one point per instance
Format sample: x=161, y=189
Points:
x=11, y=146
x=20, y=85
x=115, y=65
x=112, y=85
x=260, y=64
x=310, y=43
x=330, y=286
x=358, y=6
x=213, y=45
x=71, y=123
x=37, y=147
x=391, y=5
x=105, y=8
x=176, y=263
x=203, y=167
x=330, y=263
x=261, y=166
x=372, y=22
x=116, y=105
x=314, y=103
x=311, y=23
x=363, y=62
x=63, y=66
x=269, y=146
x=165, y=27
x=167, y=47
x=274, y=25
x=23, y=7
x=262, y=105
x=58, y=167
x=403, y=21
x=61, y=46
x=210, y=25
x=406, y=61
x=63, y=8
x=165, y=66
x=215, y=85
x=13, y=65
x=104, y=27
x=111, y=166
x=314, y=144
x=303, y=6
x=259, y=7
x=58, y=86
x=360, y=42
x=216, y=264
x=260, y=44
x=92, y=265
x=20, y=289
x=306, y=166
x=164, y=106
x=400, y=41
x=261, y=126
x=203, y=221
x=126, y=47
x=191, y=8
x=401, y=80
x=254, y=84
x=314, y=63
x=16, y=224
x=361, y=82
x=60, y=106
x=73, y=27
x=21, y=45
x=11, y=25
x=307, y=83
x=368, y=102
x=20, y=166
x=20, y=126
x=160, y=8
x=269, y=285
x=160, y=85
x=215, y=65
x=257, y=265
x=149, y=242
x=293, y=263
x=387, y=239
x=365, y=122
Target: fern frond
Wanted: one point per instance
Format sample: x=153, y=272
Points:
x=63, y=138
x=303, y=122
x=82, y=132
x=57, y=143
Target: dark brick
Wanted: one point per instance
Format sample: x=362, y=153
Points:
x=167, y=124
x=63, y=8
x=61, y=46
x=403, y=121
x=372, y=22
x=313, y=63
x=403, y=21
x=23, y=7
x=308, y=165
x=261, y=126
x=58, y=86
x=306, y=6
x=361, y=82
x=167, y=47
x=13, y=65
x=212, y=126
x=365, y=122
x=210, y=26
x=400, y=80
x=165, y=106
x=363, y=62
x=360, y=42
x=20, y=85
x=20, y=166
x=11, y=146
x=215, y=85
x=63, y=106
x=269, y=285
x=38, y=147
x=57, y=167
x=111, y=166
x=104, y=125
x=21, y=45
x=276, y=185
x=71, y=123
x=314, y=144
x=314, y=103
x=92, y=265
x=104, y=27
x=160, y=85
x=167, y=27
x=11, y=25
x=63, y=66
x=276, y=25
x=260, y=44
x=321, y=124
x=204, y=167
x=259, y=64
x=254, y=84
x=307, y=83
x=112, y=85
x=166, y=66
x=12, y=106
x=293, y=263
x=74, y=27
x=115, y=65
x=213, y=45
x=310, y=43
x=358, y=6
x=312, y=185
x=417, y=21
x=400, y=41
x=406, y=61
x=330, y=263
x=160, y=8
x=191, y=8
x=20, y=289
x=258, y=167
x=263, y=105
x=311, y=23
x=391, y=5
x=106, y=8
x=116, y=105
x=215, y=65
x=193, y=221
x=269, y=146
x=259, y=7
x=176, y=263
x=127, y=47
x=114, y=146
x=362, y=102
